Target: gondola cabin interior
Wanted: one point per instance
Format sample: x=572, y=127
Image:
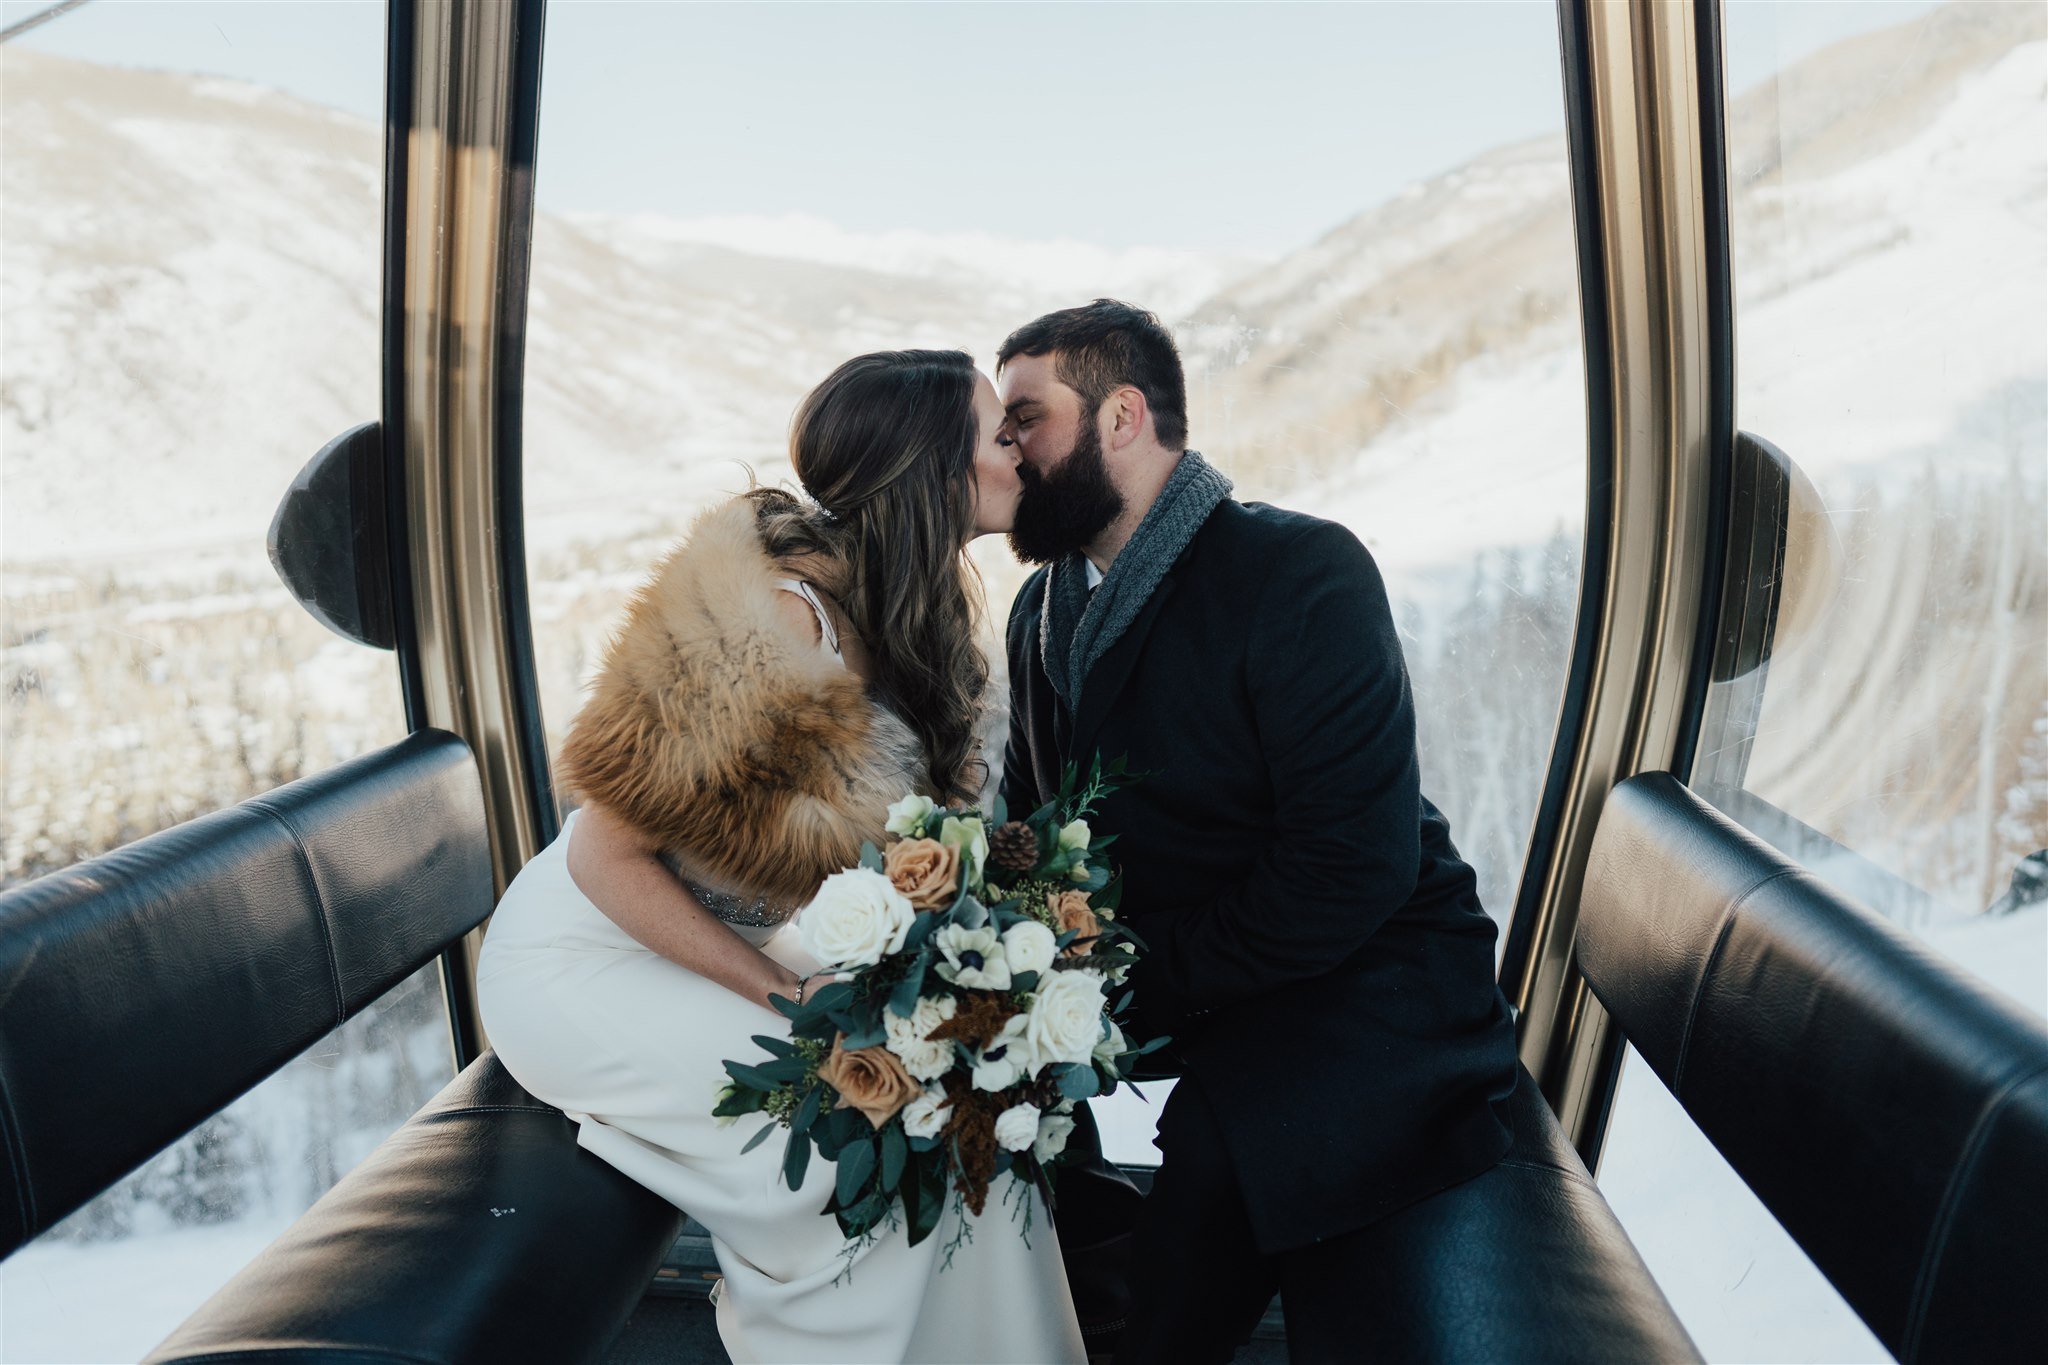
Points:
x=1683, y=365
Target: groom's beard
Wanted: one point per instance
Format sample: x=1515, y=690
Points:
x=1062, y=511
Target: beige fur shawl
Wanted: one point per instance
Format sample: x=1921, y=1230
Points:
x=743, y=749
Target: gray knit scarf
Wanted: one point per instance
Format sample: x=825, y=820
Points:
x=1076, y=627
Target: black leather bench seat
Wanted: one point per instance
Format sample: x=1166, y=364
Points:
x=479, y=1231
x=1887, y=1108
x=1525, y=1263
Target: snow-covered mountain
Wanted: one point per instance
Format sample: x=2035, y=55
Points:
x=1432, y=341
x=189, y=271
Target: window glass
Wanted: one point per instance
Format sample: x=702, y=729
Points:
x=116, y=1277
x=1887, y=188
x=189, y=300
x=1378, y=312
x=1891, y=265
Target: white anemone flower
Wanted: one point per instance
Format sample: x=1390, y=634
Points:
x=973, y=957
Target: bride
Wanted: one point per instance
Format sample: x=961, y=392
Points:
x=788, y=671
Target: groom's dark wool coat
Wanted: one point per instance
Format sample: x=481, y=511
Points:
x=1318, y=952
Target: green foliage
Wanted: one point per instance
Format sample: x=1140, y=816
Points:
x=878, y=1170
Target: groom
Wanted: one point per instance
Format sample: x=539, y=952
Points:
x=1318, y=952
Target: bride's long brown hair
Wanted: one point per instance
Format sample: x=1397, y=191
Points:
x=885, y=448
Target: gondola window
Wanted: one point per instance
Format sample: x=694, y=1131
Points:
x=189, y=230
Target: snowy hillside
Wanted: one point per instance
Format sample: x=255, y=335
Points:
x=1424, y=356
x=189, y=273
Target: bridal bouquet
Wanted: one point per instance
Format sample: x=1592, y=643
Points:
x=978, y=967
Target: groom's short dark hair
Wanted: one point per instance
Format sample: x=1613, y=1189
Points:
x=1104, y=345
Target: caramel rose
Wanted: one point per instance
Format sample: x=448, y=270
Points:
x=926, y=871
x=1070, y=910
x=869, y=1079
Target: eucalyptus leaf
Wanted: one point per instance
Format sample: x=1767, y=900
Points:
x=757, y=1139
x=1024, y=981
x=928, y=1180
x=796, y=1159
x=913, y=1205
x=871, y=857
x=845, y=1127
x=837, y=995
x=1001, y=813
x=1078, y=1082
x=781, y=1047
x=870, y=1037
x=807, y=1112
x=759, y=1077
x=856, y=1164
x=895, y=1152
x=970, y=913
x=869, y=1211
x=903, y=1003
x=742, y=1100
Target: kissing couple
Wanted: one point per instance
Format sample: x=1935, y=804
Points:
x=1315, y=945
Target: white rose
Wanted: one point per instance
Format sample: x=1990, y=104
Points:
x=1029, y=946
x=971, y=841
x=907, y=816
x=1006, y=1060
x=856, y=919
x=972, y=957
x=1074, y=834
x=1065, y=1017
x=911, y=1039
x=1017, y=1127
x=926, y=1115
x=1052, y=1136
x=1112, y=1045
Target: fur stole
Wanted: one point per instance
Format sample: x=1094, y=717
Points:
x=751, y=756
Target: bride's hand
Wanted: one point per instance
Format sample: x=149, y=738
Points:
x=781, y=981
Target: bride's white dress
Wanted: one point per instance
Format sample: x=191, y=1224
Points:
x=630, y=1046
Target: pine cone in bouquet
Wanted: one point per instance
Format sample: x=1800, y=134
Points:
x=1013, y=848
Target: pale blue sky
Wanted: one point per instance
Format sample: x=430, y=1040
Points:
x=1222, y=127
